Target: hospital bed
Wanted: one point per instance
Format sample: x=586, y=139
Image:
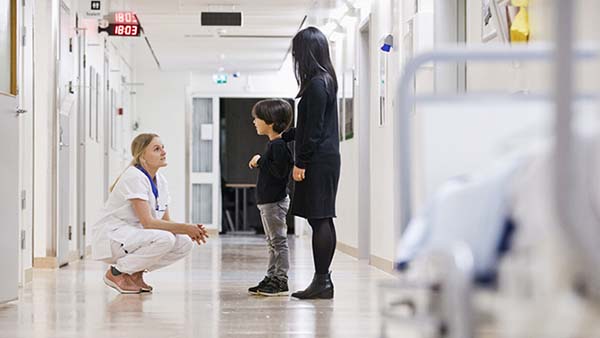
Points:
x=438, y=299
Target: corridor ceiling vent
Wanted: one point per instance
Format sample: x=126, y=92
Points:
x=221, y=18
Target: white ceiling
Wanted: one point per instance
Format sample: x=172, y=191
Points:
x=261, y=44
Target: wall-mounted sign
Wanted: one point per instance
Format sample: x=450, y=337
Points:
x=121, y=24
x=93, y=9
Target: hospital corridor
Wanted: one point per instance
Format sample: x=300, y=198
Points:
x=300, y=168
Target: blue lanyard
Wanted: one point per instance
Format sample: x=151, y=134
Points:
x=154, y=188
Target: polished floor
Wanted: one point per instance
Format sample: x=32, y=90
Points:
x=202, y=296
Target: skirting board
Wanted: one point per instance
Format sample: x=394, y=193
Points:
x=382, y=264
x=73, y=256
x=28, y=275
x=52, y=262
x=45, y=263
x=378, y=262
x=347, y=249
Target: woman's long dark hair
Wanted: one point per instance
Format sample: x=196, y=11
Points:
x=310, y=51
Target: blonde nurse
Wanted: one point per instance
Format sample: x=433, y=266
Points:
x=135, y=233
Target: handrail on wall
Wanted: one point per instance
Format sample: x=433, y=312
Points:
x=406, y=99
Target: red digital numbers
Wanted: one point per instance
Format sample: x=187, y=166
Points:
x=126, y=30
x=126, y=18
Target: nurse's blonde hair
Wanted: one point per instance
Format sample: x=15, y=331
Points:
x=138, y=147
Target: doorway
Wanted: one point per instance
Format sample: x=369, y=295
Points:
x=26, y=142
x=67, y=108
x=203, y=150
x=238, y=143
x=364, y=126
x=9, y=136
x=81, y=139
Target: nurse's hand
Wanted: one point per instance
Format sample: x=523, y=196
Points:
x=298, y=174
x=197, y=233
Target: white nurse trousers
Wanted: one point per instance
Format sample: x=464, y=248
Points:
x=149, y=249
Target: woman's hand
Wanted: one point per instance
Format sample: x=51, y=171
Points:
x=254, y=162
x=298, y=174
x=197, y=233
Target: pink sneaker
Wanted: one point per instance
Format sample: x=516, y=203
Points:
x=122, y=283
x=138, y=279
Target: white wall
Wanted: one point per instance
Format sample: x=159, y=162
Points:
x=43, y=127
x=161, y=108
x=119, y=56
x=385, y=18
x=382, y=173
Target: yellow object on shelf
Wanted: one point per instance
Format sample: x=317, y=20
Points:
x=519, y=30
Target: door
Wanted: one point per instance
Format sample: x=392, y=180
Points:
x=364, y=160
x=106, y=123
x=9, y=166
x=81, y=138
x=26, y=135
x=204, y=164
x=67, y=108
x=9, y=200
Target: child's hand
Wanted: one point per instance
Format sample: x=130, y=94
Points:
x=298, y=174
x=254, y=162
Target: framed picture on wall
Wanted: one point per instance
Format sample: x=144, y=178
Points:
x=340, y=107
x=495, y=21
x=349, y=81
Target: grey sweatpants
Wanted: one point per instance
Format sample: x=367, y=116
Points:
x=273, y=219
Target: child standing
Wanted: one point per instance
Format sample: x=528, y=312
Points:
x=271, y=118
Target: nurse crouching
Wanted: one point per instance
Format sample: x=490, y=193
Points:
x=135, y=233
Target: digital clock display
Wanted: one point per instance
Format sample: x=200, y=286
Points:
x=122, y=24
x=119, y=29
x=125, y=30
x=125, y=18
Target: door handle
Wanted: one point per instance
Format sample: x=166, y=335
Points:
x=20, y=111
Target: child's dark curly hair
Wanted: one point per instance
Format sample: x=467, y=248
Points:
x=274, y=111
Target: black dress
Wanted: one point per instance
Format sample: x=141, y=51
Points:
x=317, y=150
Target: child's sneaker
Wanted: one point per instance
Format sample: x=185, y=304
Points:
x=275, y=287
x=254, y=290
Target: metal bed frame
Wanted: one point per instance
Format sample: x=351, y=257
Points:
x=451, y=315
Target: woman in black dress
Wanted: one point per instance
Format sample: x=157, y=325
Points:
x=317, y=163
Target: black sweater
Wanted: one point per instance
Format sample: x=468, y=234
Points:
x=316, y=134
x=275, y=165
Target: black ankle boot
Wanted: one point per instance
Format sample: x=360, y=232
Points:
x=321, y=287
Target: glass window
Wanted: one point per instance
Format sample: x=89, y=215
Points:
x=7, y=51
x=202, y=203
x=202, y=135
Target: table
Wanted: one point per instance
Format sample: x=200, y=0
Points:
x=237, y=188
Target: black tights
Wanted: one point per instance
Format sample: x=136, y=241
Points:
x=323, y=243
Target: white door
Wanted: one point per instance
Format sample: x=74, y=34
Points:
x=9, y=200
x=67, y=108
x=26, y=138
x=9, y=166
x=81, y=138
x=205, y=170
x=364, y=135
x=106, y=135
